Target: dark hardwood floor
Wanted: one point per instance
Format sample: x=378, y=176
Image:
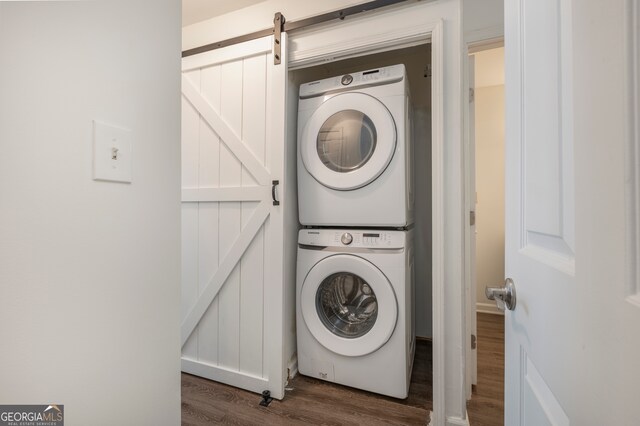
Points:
x=315, y=402
x=310, y=401
x=486, y=407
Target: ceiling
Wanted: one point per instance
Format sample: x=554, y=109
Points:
x=199, y=10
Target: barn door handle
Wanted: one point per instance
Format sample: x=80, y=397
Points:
x=505, y=296
x=274, y=183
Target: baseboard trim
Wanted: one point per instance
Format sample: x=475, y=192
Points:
x=424, y=339
x=457, y=421
x=292, y=369
x=488, y=308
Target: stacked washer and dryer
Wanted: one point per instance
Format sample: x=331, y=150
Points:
x=355, y=285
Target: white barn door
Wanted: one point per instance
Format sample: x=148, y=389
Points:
x=233, y=123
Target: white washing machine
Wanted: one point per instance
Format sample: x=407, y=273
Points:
x=355, y=321
x=354, y=150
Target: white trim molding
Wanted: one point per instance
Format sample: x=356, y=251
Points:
x=458, y=421
x=359, y=46
x=360, y=35
x=452, y=421
x=292, y=368
x=482, y=35
x=633, y=152
x=437, y=218
x=488, y=308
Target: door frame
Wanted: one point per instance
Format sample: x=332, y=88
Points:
x=471, y=353
x=396, y=28
x=632, y=9
x=484, y=41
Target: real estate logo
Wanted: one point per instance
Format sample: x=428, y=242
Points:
x=32, y=415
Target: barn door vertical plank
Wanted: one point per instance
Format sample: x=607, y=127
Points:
x=208, y=217
x=190, y=165
x=252, y=270
x=230, y=218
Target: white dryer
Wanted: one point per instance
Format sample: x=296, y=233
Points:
x=355, y=322
x=354, y=150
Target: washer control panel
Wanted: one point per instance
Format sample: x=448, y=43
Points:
x=373, y=239
x=346, y=238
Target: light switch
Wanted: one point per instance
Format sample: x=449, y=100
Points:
x=112, y=153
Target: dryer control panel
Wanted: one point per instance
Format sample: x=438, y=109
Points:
x=372, y=77
x=374, y=239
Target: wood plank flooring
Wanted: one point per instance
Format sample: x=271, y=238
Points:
x=315, y=402
x=310, y=401
x=486, y=407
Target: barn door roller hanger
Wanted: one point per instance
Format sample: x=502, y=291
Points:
x=280, y=26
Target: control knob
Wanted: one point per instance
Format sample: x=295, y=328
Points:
x=346, y=79
x=346, y=238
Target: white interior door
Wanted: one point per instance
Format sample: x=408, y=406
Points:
x=540, y=219
x=233, y=123
x=572, y=344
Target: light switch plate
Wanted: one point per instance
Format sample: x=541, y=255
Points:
x=112, y=153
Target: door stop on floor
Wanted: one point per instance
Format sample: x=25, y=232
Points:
x=266, y=398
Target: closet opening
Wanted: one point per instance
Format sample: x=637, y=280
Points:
x=241, y=116
x=417, y=63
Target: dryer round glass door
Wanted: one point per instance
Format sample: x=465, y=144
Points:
x=348, y=305
x=348, y=141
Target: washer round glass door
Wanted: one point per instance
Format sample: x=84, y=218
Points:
x=348, y=141
x=348, y=305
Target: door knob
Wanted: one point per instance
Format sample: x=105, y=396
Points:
x=504, y=296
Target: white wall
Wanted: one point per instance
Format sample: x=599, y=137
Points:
x=482, y=19
x=255, y=18
x=489, y=139
x=489, y=67
x=490, y=191
x=90, y=271
x=194, y=11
